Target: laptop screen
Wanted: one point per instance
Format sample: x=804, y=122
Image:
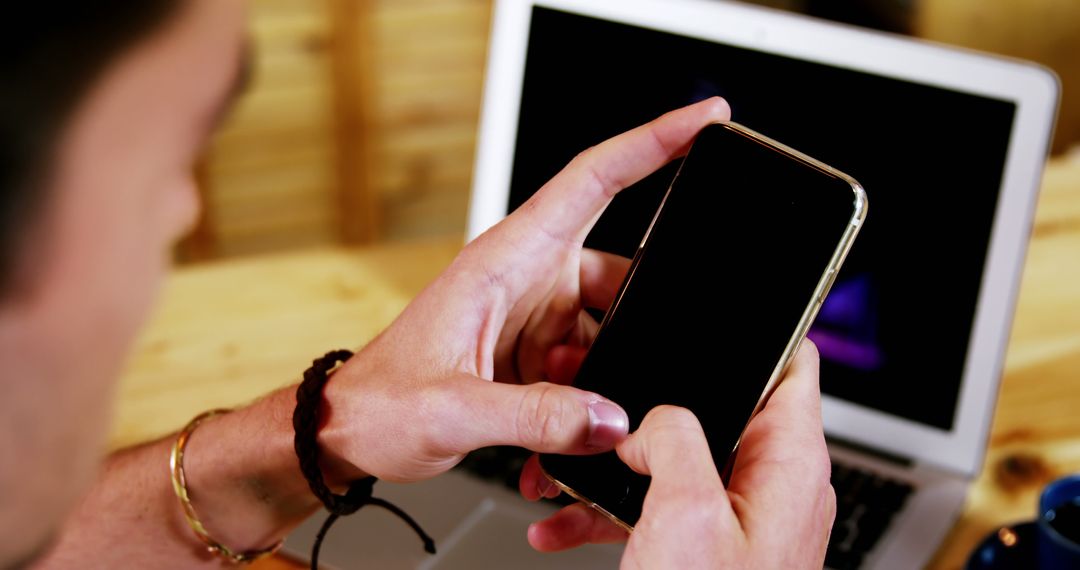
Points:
x=895, y=330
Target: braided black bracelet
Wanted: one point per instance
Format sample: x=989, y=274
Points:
x=306, y=425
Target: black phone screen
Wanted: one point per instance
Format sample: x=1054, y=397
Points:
x=711, y=301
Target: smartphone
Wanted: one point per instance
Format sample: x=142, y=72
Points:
x=728, y=278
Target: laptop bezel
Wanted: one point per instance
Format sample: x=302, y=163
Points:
x=1033, y=89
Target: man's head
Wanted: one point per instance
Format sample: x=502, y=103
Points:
x=104, y=106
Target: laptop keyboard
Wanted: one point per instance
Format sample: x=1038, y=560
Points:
x=865, y=504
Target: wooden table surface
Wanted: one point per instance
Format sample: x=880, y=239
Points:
x=228, y=332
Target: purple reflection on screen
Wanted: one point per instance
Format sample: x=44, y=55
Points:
x=845, y=331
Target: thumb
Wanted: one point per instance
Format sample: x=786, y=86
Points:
x=543, y=417
x=670, y=446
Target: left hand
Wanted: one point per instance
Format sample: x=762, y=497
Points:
x=419, y=397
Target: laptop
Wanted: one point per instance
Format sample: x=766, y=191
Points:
x=950, y=146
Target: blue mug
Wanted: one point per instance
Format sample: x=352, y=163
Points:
x=1059, y=525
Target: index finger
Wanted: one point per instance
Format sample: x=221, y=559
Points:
x=782, y=468
x=789, y=428
x=567, y=207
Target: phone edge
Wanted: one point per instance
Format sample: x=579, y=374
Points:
x=824, y=284
x=586, y=501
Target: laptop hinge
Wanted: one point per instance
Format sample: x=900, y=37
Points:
x=867, y=450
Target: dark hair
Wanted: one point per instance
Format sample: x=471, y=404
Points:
x=50, y=55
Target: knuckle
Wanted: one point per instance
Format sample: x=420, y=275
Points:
x=542, y=417
x=582, y=158
x=812, y=460
x=817, y=481
x=823, y=466
x=588, y=163
x=828, y=504
x=818, y=461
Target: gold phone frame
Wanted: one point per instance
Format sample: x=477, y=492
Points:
x=809, y=313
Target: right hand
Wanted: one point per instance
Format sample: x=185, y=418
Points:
x=776, y=513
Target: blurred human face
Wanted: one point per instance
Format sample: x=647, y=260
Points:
x=121, y=192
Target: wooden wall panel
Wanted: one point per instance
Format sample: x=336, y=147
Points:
x=428, y=60
x=360, y=125
x=269, y=174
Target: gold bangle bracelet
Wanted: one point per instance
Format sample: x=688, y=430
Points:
x=179, y=482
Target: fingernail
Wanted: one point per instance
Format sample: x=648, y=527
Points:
x=608, y=425
x=543, y=486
